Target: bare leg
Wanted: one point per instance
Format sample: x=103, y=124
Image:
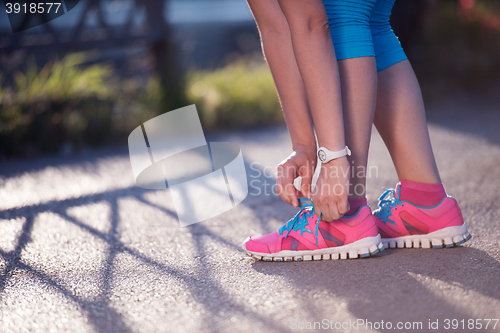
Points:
x=400, y=120
x=315, y=55
x=278, y=50
x=277, y=46
x=358, y=77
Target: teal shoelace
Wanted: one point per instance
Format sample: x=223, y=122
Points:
x=387, y=201
x=299, y=222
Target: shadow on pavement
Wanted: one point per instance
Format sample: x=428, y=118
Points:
x=99, y=311
x=472, y=115
x=415, y=282
x=396, y=285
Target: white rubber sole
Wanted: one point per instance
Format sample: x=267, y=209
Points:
x=446, y=237
x=362, y=248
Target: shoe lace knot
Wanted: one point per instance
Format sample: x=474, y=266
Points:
x=299, y=222
x=387, y=201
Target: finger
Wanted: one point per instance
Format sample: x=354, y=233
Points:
x=334, y=212
x=318, y=211
x=279, y=186
x=323, y=204
x=343, y=206
x=291, y=191
x=326, y=214
x=316, y=199
x=305, y=185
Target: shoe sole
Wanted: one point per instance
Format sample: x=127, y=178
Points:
x=446, y=237
x=362, y=248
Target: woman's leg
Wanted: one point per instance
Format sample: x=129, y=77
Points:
x=358, y=83
x=418, y=213
x=276, y=35
x=400, y=114
x=350, y=31
x=401, y=218
x=358, y=79
x=278, y=51
x=400, y=120
x=315, y=55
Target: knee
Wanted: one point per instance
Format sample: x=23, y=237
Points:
x=310, y=25
x=317, y=24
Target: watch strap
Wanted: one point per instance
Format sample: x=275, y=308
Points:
x=325, y=155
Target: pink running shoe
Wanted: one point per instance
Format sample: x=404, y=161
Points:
x=303, y=238
x=404, y=224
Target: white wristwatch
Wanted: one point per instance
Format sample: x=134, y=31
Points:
x=325, y=155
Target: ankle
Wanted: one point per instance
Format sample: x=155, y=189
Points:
x=355, y=204
x=421, y=194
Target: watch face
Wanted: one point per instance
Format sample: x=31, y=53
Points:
x=322, y=155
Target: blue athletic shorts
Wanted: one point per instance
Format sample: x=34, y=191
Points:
x=361, y=28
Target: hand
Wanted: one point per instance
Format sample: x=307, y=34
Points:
x=302, y=162
x=331, y=192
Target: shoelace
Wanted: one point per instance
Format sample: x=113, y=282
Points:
x=387, y=201
x=299, y=222
x=391, y=200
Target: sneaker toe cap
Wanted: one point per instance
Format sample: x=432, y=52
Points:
x=254, y=246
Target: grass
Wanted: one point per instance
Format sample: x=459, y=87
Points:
x=239, y=95
x=72, y=104
x=68, y=102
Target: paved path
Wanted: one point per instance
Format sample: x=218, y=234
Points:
x=83, y=250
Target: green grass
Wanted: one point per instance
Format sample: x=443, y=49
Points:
x=69, y=102
x=239, y=95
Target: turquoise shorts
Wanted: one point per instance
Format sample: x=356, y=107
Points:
x=361, y=28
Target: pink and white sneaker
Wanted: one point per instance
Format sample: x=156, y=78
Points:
x=404, y=224
x=303, y=238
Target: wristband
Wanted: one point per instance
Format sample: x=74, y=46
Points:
x=325, y=155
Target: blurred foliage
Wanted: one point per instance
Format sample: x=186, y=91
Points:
x=239, y=95
x=459, y=49
x=67, y=105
